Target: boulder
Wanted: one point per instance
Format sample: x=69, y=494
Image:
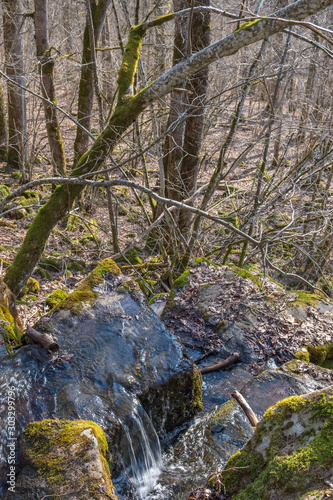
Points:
x=290, y=455
x=218, y=434
x=65, y=458
x=117, y=366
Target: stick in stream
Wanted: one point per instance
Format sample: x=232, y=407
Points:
x=42, y=339
x=224, y=364
x=245, y=407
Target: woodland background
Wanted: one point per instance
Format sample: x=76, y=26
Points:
x=248, y=140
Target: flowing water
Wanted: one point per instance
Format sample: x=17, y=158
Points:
x=112, y=358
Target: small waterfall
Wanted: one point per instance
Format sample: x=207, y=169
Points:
x=145, y=455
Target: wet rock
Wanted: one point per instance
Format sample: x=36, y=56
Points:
x=65, y=458
x=117, y=363
x=290, y=455
x=218, y=434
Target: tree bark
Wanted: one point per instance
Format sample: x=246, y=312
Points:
x=196, y=86
x=86, y=89
x=3, y=129
x=12, y=20
x=46, y=66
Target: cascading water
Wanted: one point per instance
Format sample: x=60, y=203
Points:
x=144, y=452
x=112, y=358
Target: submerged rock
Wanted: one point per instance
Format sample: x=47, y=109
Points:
x=290, y=455
x=65, y=458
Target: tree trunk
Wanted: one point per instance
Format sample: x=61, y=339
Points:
x=86, y=89
x=3, y=129
x=173, y=144
x=195, y=100
x=46, y=66
x=12, y=20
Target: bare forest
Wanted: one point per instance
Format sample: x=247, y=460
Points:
x=155, y=132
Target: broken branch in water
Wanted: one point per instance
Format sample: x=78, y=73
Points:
x=245, y=407
x=223, y=364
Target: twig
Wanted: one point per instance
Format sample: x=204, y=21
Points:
x=245, y=407
x=220, y=366
x=132, y=487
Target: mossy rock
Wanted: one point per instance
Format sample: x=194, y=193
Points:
x=31, y=286
x=56, y=297
x=131, y=256
x=4, y=191
x=67, y=456
x=50, y=264
x=77, y=266
x=85, y=295
x=43, y=274
x=180, y=282
x=146, y=286
x=321, y=355
x=156, y=297
x=290, y=454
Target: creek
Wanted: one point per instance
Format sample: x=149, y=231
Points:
x=120, y=367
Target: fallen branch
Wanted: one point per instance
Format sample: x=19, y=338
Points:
x=42, y=339
x=245, y=407
x=220, y=366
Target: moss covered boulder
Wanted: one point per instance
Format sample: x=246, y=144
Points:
x=65, y=458
x=10, y=323
x=290, y=455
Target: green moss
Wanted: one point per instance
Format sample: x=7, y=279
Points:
x=304, y=298
x=248, y=25
x=77, y=300
x=43, y=274
x=132, y=256
x=50, y=264
x=130, y=60
x=200, y=260
x=157, y=296
x=246, y=275
x=56, y=297
x=5, y=263
x=146, y=286
x=11, y=334
x=180, y=282
x=303, y=355
x=16, y=175
x=284, y=408
x=54, y=446
x=84, y=294
x=31, y=286
x=96, y=277
x=321, y=355
x=77, y=265
x=279, y=471
x=4, y=191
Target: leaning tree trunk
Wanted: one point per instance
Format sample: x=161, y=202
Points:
x=46, y=66
x=86, y=89
x=12, y=22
